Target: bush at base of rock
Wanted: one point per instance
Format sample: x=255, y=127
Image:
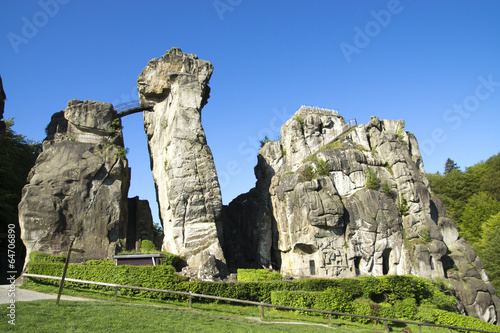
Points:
x=256, y=275
x=398, y=297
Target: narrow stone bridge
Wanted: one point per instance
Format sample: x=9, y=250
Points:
x=130, y=107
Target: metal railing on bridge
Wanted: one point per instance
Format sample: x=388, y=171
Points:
x=124, y=109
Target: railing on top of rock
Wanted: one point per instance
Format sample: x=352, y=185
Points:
x=124, y=109
x=318, y=108
x=352, y=122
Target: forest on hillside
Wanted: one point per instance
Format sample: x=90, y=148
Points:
x=472, y=200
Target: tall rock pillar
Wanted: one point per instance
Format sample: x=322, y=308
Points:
x=183, y=169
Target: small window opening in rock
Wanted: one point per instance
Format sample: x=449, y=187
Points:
x=447, y=264
x=385, y=261
x=357, y=260
x=431, y=262
x=312, y=267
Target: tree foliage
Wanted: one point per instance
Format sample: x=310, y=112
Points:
x=488, y=248
x=472, y=200
x=17, y=156
x=470, y=197
x=450, y=166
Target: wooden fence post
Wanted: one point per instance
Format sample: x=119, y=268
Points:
x=116, y=292
x=449, y=330
x=330, y=319
x=419, y=328
x=385, y=326
x=261, y=310
x=190, y=300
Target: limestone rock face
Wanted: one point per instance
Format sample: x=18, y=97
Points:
x=249, y=245
x=182, y=164
x=348, y=201
x=81, y=177
x=140, y=225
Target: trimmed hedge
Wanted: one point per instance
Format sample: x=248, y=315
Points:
x=39, y=256
x=257, y=275
x=402, y=297
x=157, y=277
x=147, y=246
x=442, y=317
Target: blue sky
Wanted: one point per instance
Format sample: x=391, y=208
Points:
x=434, y=64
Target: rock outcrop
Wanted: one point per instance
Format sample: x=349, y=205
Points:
x=186, y=182
x=140, y=225
x=347, y=201
x=80, y=180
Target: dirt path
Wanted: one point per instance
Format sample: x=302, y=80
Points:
x=22, y=295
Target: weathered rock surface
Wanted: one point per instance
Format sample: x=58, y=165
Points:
x=325, y=221
x=140, y=225
x=182, y=164
x=80, y=178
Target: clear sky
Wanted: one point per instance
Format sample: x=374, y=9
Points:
x=434, y=64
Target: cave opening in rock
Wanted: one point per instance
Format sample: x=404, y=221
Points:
x=385, y=261
x=357, y=260
x=448, y=264
x=312, y=267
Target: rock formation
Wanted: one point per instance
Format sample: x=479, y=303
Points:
x=184, y=173
x=80, y=178
x=140, y=225
x=331, y=199
x=347, y=201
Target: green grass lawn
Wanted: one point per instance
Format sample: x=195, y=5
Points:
x=144, y=315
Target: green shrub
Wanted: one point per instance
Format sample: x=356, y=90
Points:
x=333, y=299
x=264, y=141
x=454, y=319
x=387, y=189
x=148, y=246
x=364, y=307
x=115, y=127
x=322, y=167
x=309, y=172
x=372, y=181
x=298, y=299
x=400, y=133
x=121, y=152
x=103, y=262
x=403, y=206
x=157, y=277
x=42, y=257
x=173, y=260
x=299, y=119
x=405, y=309
x=256, y=275
x=389, y=296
